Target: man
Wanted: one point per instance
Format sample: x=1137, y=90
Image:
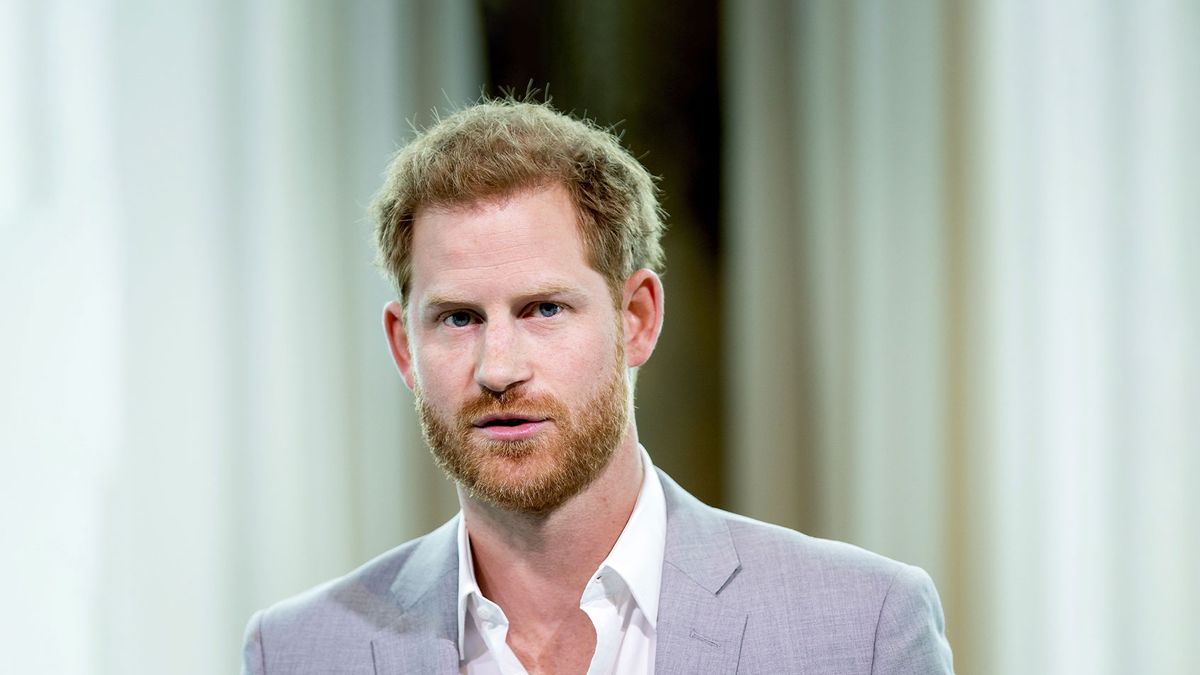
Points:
x=524, y=246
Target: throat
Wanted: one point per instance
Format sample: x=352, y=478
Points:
x=563, y=646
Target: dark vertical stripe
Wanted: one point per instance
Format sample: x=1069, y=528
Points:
x=962, y=540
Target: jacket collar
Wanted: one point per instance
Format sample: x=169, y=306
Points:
x=424, y=638
x=698, y=630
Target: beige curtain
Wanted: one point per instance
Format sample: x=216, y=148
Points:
x=965, y=312
x=199, y=414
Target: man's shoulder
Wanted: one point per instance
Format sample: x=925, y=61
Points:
x=350, y=609
x=778, y=566
x=768, y=554
x=764, y=548
x=829, y=604
x=363, y=588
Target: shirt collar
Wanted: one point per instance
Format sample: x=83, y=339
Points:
x=637, y=556
x=468, y=587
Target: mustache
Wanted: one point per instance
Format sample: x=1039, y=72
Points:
x=511, y=401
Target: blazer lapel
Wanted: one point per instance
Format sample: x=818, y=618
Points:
x=424, y=638
x=698, y=630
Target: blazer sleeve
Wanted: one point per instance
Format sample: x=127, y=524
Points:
x=253, y=661
x=910, y=638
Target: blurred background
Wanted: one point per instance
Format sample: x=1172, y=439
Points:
x=928, y=288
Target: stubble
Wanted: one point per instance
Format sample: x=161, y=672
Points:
x=537, y=475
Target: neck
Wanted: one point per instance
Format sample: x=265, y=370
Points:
x=536, y=566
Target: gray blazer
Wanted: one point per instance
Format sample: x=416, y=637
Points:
x=738, y=596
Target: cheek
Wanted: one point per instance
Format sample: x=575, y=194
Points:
x=439, y=374
x=587, y=359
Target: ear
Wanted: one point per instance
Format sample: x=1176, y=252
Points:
x=642, y=311
x=397, y=337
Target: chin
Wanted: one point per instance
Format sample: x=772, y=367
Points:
x=530, y=480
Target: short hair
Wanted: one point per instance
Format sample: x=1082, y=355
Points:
x=498, y=147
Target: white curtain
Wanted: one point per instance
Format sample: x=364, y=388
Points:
x=199, y=416
x=966, y=324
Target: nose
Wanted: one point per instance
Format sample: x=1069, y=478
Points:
x=501, y=363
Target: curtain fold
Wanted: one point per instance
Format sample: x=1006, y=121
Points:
x=200, y=415
x=960, y=240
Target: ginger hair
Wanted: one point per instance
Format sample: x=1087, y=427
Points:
x=496, y=148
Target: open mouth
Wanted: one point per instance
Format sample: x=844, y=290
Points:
x=503, y=421
x=512, y=422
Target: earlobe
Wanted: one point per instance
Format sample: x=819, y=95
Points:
x=642, y=309
x=397, y=337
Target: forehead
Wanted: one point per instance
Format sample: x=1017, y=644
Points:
x=509, y=243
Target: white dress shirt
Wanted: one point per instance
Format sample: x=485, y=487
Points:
x=621, y=598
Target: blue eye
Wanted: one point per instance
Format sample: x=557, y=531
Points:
x=548, y=309
x=457, y=319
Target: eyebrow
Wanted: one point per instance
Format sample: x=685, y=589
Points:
x=439, y=301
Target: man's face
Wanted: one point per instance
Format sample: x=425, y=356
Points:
x=516, y=347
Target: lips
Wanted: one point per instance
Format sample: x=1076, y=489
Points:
x=510, y=427
x=501, y=420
